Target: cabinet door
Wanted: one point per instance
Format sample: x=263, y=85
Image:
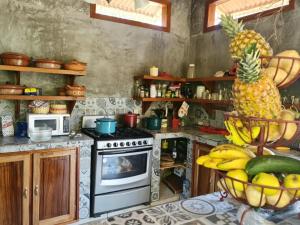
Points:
x=14, y=189
x=54, y=186
x=204, y=179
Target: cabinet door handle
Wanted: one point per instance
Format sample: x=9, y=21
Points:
x=36, y=190
x=25, y=193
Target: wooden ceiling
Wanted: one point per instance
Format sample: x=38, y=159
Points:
x=152, y=9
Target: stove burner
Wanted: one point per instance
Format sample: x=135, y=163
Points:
x=121, y=133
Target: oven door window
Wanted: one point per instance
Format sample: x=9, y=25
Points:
x=118, y=167
x=46, y=123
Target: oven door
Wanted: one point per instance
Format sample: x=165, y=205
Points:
x=121, y=170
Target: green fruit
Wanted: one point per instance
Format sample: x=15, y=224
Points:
x=272, y=164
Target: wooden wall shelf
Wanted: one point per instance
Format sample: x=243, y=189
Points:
x=175, y=165
x=71, y=101
x=209, y=101
x=41, y=97
x=186, y=80
x=147, y=101
x=42, y=70
x=161, y=99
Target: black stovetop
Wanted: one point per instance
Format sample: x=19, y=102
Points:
x=121, y=134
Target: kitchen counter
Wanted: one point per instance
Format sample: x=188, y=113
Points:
x=192, y=133
x=201, y=210
x=83, y=142
x=15, y=144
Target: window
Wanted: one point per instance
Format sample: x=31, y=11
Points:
x=242, y=9
x=155, y=14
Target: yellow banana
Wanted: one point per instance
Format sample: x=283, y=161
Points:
x=229, y=154
x=230, y=147
x=202, y=159
x=234, y=137
x=233, y=164
x=212, y=163
x=254, y=132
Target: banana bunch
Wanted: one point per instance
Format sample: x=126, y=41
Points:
x=226, y=157
x=239, y=134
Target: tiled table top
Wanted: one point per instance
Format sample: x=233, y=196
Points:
x=202, y=210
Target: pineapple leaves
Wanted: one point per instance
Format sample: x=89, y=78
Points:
x=231, y=26
x=249, y=65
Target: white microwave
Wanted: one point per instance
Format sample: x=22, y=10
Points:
x=60, y=123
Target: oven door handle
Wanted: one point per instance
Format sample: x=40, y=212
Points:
x=113, y=152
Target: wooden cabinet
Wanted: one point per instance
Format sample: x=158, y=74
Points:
x=45, y=193
x=14, y=189
x=203, y=179
x=54, y=187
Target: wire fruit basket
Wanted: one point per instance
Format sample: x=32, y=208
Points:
x=283, y=70
x=286, y=132
x=282, y=199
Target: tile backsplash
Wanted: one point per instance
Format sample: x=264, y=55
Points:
x=103, y=106
x=106, y=106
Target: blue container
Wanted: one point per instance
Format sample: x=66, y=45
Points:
x=21, y=129
x=106, y=126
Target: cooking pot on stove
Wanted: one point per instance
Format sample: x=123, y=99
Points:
x=153, y=123
x=106, y=126
x=130, y=119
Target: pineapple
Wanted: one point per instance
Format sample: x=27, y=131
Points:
x=241, y=38
x=254, y=94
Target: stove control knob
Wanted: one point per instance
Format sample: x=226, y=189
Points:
x=116, y=144
x=127, y=143
x=108, y=145
x=122, y=144
x=145, y=142
x=134, y=143
x=139, y=143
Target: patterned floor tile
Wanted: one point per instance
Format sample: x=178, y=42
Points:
x=131, y=218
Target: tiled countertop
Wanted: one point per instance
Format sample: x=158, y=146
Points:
x=192, y=133
x=15, y=144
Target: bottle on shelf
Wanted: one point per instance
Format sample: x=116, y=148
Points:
x=174, y=151
x=142, y=92
x=164, y=90
x=164, y=145
x=137, y=88
x=158, y=93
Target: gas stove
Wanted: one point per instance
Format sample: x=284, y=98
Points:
x=123, y=138
x=121, y=167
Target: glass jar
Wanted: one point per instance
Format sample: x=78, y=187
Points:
x=142, y=92
x=153, y=91
x=191, y=71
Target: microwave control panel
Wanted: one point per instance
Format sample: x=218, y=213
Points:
x=66, y=124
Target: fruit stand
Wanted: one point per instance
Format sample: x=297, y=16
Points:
x=247, y=170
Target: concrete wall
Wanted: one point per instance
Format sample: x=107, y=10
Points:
x=114, y=52
x=209, y=51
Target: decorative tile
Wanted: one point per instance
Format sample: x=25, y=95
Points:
x=84, y=206
x=226, y=218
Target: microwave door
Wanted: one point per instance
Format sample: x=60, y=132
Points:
x=53, y=123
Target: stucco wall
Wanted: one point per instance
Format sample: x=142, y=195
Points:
x=114, y=52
